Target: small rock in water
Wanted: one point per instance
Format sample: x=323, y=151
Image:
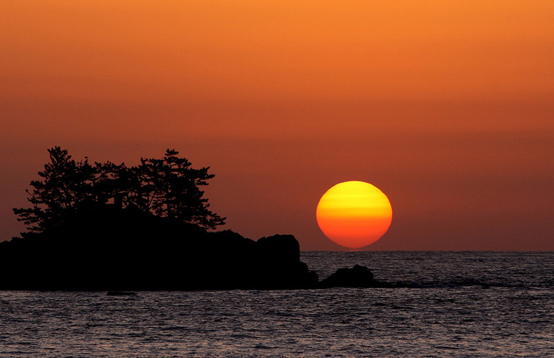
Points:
x=121, y=293
x=358, y=276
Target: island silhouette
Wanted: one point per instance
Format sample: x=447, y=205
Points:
x=111, y=227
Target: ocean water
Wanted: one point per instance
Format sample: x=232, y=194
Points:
x=462, y=304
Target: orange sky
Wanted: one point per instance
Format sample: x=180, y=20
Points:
x=445, y=106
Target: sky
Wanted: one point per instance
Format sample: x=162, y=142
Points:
x=446, y=106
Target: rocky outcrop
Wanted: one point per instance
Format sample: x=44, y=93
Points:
x=122, y=250
x=358, y=276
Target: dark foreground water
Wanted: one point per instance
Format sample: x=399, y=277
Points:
x=467, y=304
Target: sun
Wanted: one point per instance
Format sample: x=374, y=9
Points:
x=354, y=214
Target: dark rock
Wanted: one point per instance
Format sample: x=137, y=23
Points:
x=279, y=248
x=358, y=276
x=121, y=293
x=125, y=250
x=278, y=264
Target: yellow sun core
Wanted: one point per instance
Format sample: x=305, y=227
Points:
x=354, y=214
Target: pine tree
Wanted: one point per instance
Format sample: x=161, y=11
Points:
x=66, y=185
x=166, y=187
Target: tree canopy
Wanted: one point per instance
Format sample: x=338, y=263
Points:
x=167, y=187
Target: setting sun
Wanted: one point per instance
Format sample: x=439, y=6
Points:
x=354, y=214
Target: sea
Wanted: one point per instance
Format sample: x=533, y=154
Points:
x=458, y=304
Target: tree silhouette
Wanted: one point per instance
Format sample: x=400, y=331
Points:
x=170, y=188
x=66, y=186
x=166, y=187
